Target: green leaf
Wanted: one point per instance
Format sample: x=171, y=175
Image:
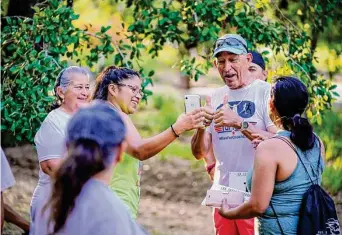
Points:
x=332, y=87
x=336, y=94
x=38, y=38
x=151, y=73
x=105, y=29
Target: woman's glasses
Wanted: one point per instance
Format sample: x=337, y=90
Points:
x=134, y=89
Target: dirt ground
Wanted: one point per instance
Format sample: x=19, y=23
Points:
x=171, y=193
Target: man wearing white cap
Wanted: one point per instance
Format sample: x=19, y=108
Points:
x=240, y=112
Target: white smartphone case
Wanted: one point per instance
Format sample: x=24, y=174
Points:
x=191, y=102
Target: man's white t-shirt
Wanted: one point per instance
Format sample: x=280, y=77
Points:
x=50, y=144
x=232, y=150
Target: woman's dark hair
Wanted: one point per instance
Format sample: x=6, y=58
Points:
x=63, y=80
x=85, y=158
x=111, y=75
x=290, y=98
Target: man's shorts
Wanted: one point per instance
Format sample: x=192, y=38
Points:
x=225, y=226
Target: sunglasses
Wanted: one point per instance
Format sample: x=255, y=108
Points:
x=230, y=42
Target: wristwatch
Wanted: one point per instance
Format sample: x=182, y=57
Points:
x=244, y=125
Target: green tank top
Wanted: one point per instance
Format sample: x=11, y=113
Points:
x=126, y=182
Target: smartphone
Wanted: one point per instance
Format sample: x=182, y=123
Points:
x=192, y=102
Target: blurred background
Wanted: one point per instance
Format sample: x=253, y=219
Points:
x=173, y=61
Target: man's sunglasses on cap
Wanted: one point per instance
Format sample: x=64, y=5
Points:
x=230, y=42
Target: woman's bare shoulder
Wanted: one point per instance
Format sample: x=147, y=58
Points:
x=272, y=146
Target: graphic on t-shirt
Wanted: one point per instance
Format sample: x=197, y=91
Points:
x=224, y=129
x=244, y=109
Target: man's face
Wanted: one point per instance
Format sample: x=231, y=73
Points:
x=257, y=72
x=233, y=68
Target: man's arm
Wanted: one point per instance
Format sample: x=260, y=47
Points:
x=202, y=148
x=210, y=162
x=251, y=132
x=200, y=143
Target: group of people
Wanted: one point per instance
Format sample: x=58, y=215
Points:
x=90, y=154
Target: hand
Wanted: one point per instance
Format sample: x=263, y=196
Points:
x=207, y=112
x=258, y=138
x=225, y=208
x=189, y=121
x=227, y=117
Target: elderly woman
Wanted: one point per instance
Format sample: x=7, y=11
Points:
x=80, y=201
x=72, y=91
x=280, y=177
x=121, y=87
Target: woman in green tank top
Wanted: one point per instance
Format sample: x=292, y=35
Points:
x=121, y=87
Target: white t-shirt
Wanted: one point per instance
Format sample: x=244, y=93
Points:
x=232, y=150
x=50, y=144
x=7, y=178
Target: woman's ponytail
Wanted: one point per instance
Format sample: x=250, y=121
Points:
x=110, y=75
x=301, y=132
x=83, y=161
x=101, y=84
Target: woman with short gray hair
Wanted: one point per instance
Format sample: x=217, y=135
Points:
x=71, y=91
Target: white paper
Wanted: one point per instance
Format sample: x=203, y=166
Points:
x=217, y=193
x=238, y=180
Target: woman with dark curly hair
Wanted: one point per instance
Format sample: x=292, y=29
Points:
x=121, y=87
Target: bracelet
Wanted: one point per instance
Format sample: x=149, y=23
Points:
x=174, y=132
x=210, y=167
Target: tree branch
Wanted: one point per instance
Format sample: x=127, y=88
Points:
x=115, y=45
x=289, y=56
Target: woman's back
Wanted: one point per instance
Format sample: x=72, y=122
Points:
x=97, y=211
x=288, y=194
